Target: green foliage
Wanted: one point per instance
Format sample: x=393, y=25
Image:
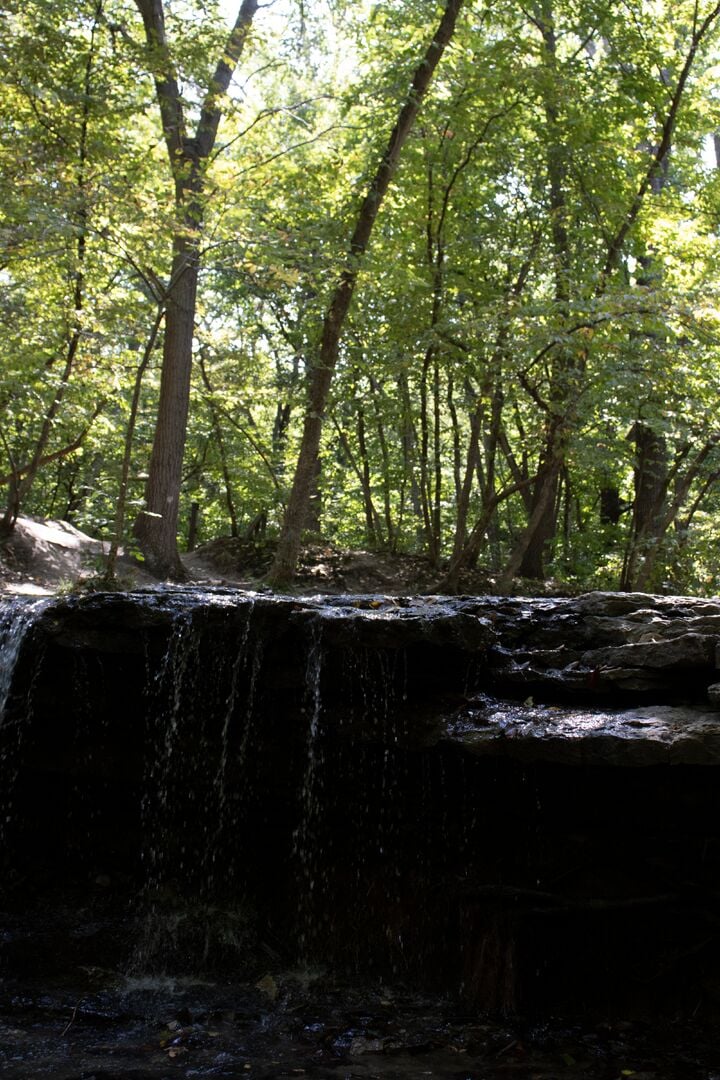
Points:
x=491, y=304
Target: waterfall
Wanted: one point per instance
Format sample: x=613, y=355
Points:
x=199, y=698
x=305, y=850
x=244, y=671
x=199, y=781
x=17, y=617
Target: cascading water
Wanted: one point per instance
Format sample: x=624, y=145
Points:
x=207, y=784
x=244, y=672
x=17, y=616
x=304, y=848
x=172, y=700
x=200, y=707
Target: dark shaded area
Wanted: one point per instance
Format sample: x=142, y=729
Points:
x=151, y=1032
x=399, y=793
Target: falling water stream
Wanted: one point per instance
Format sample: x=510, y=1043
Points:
x=257, y=856
x=304, y=847
x=17, y=616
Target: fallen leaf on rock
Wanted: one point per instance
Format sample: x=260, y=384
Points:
x=268, y=987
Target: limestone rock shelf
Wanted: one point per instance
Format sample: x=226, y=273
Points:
x=649, y=735
x=553, y=677
x=515, y=799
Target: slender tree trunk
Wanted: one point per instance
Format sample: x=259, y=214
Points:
x=119, y=527
x=409, y=441
x=373, y=524
x=532, y=541
x=431, y=487
x=217, y=428
x=484, y=442
x=371, y=516
x=437, y=462
x=321, y=372
x=527, y=559
x=472, y=460
x=455, y=434
x=429, y=455
x=430, y=463
x=390, y=529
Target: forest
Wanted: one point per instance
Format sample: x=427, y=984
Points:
x=411, y=277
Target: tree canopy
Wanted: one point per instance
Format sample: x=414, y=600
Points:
x=419, y=277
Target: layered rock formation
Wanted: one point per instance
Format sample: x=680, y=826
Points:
x=513, y=798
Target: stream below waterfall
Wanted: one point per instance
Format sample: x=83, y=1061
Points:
x=359, y=837
x=164, y=1029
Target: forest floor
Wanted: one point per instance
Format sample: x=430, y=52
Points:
x=44, y=556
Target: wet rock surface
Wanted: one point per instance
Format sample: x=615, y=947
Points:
x=512, y=802
x=647, y=735
x=553, y=673
x=157, y=1030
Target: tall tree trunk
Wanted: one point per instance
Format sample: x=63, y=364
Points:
x=156, y=526
x=464, y=490
x=455, y=435
x=430, y=464
x=528, y=557
x=651, y=486
x=321, y=372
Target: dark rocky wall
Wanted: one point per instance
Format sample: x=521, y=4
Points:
x=515, y=798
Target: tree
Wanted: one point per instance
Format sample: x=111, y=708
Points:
x=63, y=153
x=569, y=360
x=189, y=158
x=481, y=351
x=321, y=371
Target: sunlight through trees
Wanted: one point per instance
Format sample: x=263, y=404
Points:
x=328, y=275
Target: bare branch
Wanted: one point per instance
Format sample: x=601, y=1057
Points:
x=618, y=241
x=56, y=455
